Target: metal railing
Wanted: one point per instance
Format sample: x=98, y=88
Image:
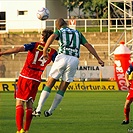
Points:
x=84, y=25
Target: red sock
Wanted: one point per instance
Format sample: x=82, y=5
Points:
x=126, y=113
x=19, y=117
x=28, y=119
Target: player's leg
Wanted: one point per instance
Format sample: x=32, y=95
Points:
x=44, y=95
x=19, y=114
x=54, y=75
x=30, y=93
x=19, y=95
x=28, y=117
x=67, y=77
x=126, y=111
x=58, y=98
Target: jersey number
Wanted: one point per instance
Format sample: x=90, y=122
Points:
x=41, y=59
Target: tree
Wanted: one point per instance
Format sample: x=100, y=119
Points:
x=91, y=8
x=71, y=4
x=96, y=8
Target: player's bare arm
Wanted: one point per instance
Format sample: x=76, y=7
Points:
x=127, y=81
x=13, y=50
x=93, y=52
x=48, y=43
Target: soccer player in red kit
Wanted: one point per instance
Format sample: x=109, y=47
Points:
x=30, y=78
x=129, y=98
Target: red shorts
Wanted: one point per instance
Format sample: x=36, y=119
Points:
x=130, y=95
x=26, y=89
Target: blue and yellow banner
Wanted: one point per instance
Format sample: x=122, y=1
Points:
x=76, y=85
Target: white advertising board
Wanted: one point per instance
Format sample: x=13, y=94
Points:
x=87, y=72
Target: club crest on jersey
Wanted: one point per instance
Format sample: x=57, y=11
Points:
x=40, y=47
x=49, y=50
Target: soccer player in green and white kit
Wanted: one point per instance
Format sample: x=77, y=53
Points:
x=65, y=65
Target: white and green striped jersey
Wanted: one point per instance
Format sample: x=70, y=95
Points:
x=69, y=41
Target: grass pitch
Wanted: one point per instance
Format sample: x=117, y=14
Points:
x=79, y=112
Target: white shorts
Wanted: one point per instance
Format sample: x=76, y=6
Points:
x=64, y=67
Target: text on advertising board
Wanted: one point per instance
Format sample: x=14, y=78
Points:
x=88, y=86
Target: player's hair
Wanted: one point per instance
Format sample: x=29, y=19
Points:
x=60, y=22
x=46, y=33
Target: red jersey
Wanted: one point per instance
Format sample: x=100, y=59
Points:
x=35, y=63
x=130, y=93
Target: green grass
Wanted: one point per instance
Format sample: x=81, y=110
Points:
x=79, y=112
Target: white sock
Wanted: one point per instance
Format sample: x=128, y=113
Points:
x=57, y=100
x=44, y=95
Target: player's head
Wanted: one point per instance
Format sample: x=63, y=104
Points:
x=46, y=34
x=60, y=22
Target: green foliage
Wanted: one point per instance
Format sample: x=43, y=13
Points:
x=98, y=8
x=79, y=112
x=92, y=8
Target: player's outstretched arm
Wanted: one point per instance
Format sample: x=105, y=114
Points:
x=13, y=50
x=48, y=43
x=93, y=52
